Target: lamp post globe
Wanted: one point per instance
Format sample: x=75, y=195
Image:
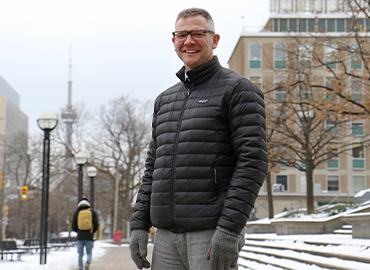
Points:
x=91, y=172
x=47, y=122
x=80, y=159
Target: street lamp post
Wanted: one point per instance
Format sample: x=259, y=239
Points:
x=91, y=172
x=80, y=159
x=47, y=122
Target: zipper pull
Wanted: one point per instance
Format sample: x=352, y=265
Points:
x=188, y=92
x=215, y=172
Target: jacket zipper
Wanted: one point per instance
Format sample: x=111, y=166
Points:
x=215, y=172
x=218, y=185
x=174, y=156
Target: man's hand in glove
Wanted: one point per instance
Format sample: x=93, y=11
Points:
x=224, y=250
x=138, y=248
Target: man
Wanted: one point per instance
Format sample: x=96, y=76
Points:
x=85, y=223
x=206, y=161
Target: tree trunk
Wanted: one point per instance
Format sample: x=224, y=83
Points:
x=269, y=195
x=310, y=199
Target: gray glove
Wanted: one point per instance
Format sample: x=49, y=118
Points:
x=224, y=251
x=138, y=248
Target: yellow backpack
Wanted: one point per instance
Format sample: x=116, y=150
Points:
x=84, y=220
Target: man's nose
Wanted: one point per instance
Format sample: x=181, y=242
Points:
x=189, y=39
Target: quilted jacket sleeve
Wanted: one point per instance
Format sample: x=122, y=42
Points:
x=141, y=214
x=74, y=222
x=95, y=222
x=247, y=125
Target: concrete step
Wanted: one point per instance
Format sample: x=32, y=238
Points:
x=288, y=256
x=264, y=253
x=342, y=231
x=309, y=249
x=346, y=229
x=313, y=241
x=258, y=261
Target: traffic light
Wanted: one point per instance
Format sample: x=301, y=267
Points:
x=24, y=193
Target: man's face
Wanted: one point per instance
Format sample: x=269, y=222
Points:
x=195, y=53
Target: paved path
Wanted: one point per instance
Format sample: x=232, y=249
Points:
x=117, y=258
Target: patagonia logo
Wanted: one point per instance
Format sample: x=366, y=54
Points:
x=203, y=101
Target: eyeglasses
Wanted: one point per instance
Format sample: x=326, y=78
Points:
x=195, y=34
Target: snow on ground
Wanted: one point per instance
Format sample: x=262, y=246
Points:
x=55, y=259
x=337, y=239
x=67, y=259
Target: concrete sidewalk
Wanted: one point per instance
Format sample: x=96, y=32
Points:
x=117, y=258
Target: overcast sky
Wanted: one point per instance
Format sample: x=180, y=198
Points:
x=118, y=47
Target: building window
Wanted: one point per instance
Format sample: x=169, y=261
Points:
x=302, y=25
x=280, y=56
x=358, y=183
x=356, y=89
x=355, y=25
x=283, y=25
x=305, y=93
x=333, y=183
x=330, y=52
x=321, y=25
x=280, y=118
x=281, y=156
x=358, y=160
x=357, y=127
x=333, y=157
x=349, y=25
x=367, y=25
x=293, y=25
x=331, y=123
x=276, y=25
x=280, y=91
x=257, y=80
x=282, y=180
x=340, y=25
x=356, y=62
x=305, y=57
x=359, y=26
x=331, y=25
x=330, y=83
x=255, y=56
x=311, y=25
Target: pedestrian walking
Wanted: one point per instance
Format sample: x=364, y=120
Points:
x=85, y=223
x=207, y=159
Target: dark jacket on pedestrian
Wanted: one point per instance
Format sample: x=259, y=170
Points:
x=85, y=235
x=207, y=159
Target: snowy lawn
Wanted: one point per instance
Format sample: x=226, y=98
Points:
x=55, y=260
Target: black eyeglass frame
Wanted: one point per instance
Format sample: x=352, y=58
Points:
x=190, y=33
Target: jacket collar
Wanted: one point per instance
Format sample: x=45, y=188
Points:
x=200, y=74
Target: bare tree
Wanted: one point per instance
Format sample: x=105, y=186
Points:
x=119, y=147
x=311, y=119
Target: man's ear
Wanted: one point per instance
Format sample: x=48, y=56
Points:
x=173, y=41
x=216, y=38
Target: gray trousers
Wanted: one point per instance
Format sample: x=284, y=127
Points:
x=182, y=251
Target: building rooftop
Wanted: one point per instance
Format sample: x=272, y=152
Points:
x=7, y=91
x=282, y=7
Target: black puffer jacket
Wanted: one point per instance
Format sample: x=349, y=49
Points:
x=207, y=159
